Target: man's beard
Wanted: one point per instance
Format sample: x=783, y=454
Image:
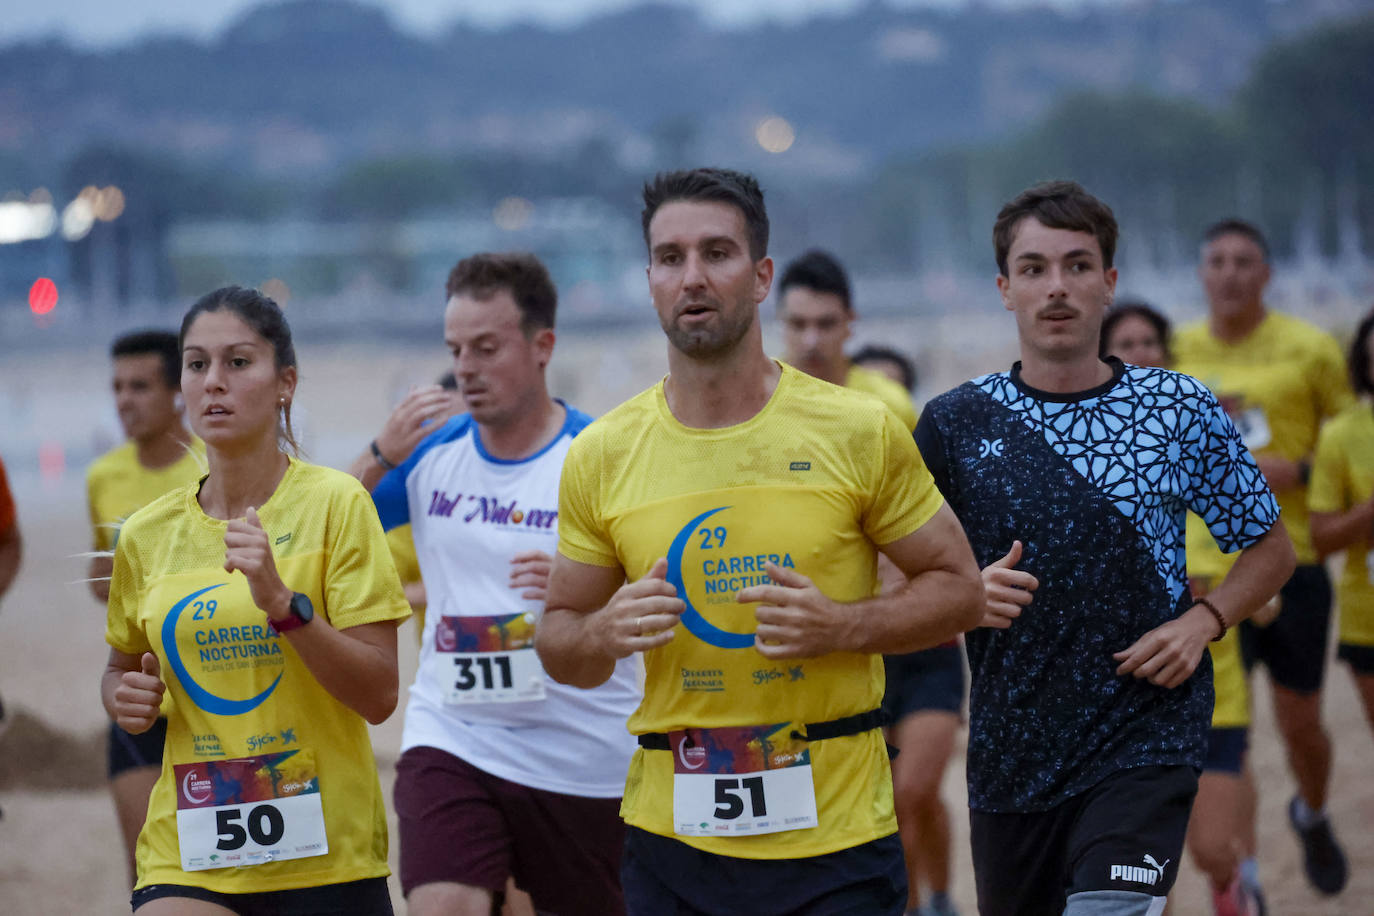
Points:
x=709, y=344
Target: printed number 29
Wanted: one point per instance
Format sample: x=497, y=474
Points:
x=706, y=535
x=730, y=805
x=265, y=826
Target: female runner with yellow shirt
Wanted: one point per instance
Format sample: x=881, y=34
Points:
x=263, y=598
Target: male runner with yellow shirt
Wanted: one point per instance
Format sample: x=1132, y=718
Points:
x=817, y=316
x=1278, y=377
x=727, y=523
x=160, y=455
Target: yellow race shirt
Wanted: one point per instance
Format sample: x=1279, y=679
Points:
x=1343, y=477
x=117, y=485
x=884, y=389
x=1278, y=385
x=812, y=482
x=402, y=545
x=248, y=718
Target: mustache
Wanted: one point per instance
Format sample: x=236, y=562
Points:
x=1058, y=311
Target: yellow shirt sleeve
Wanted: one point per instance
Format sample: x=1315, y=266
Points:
x=1327, y=491
x=904, y=496
x=582, y=536
x=1330, y=379
x=360, y=582
x=123, y=630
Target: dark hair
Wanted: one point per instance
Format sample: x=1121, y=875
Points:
x=1234, y=226
x=261, y=313
x=1056, y=205
x=820, y=271
x=738, y=189
x=1359, y=356
x=1135, y=308
x=519, y=273
x=157, y=342
x=905, y=366
x=448, y=381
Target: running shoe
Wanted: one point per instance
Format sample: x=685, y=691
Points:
x=1239, y=899
x=1322, y=857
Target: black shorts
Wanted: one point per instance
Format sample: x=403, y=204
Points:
x=462, y=824
x=368, y=897
x=1359, y=658
x=663, y=876
x=932, y=679
x=1121, y=839
x=128, y=752
x=1226, y=749
x=1293, y=647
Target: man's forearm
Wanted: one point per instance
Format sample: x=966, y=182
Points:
x=570, y=650
x=1258, y=574
x=366, y=469
x=932, y=608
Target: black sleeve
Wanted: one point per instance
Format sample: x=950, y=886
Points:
x=933, y=452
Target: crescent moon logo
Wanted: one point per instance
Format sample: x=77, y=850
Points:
x=682, y=755
x=696, y=624
x=220, y=706
x=186, y=789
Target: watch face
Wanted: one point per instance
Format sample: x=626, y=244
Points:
x=302, y=608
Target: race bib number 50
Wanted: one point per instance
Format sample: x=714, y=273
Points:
x=488, y=659
x=250, y=810
x=741, y=781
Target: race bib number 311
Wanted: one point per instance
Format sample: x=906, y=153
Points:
x=741, y=781
x=250, y=810
x=488, y=659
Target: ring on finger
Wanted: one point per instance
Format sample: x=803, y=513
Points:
x=639, y=626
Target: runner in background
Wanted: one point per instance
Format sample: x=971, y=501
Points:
x=817, y=315
x=894, y=364
x=1221, y=829
x=923, y=703
x=1279, y=378
x=261, y=598
x=1342, y=503
x=160, y=455
x=11, y=552
x=503, y=775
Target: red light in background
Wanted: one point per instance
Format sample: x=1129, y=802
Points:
x=42, y=296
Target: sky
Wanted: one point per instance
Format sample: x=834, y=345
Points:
x=103, y=23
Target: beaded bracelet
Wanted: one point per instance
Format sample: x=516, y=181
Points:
x=1221, y=619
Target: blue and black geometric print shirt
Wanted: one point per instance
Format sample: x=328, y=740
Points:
x=1096, y=486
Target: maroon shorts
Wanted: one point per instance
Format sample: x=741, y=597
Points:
x=464, y=825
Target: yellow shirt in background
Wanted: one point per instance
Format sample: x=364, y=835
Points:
x=117, y=485
x=401, y=543
x=815, y=481
x=870, y=381
x=240, y=691
x=1278, y=385
x=1342, y=478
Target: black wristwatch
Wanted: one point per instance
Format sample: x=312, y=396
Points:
x=302, y=612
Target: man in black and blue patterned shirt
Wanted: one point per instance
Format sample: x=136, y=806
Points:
x=1091, y=689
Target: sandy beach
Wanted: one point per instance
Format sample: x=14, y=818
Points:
x=59, y=849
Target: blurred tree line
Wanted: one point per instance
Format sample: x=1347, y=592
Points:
x=1293, y=150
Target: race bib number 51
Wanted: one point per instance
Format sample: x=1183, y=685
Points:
x=250, y=810
x=741, y=781
x=488, y=659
